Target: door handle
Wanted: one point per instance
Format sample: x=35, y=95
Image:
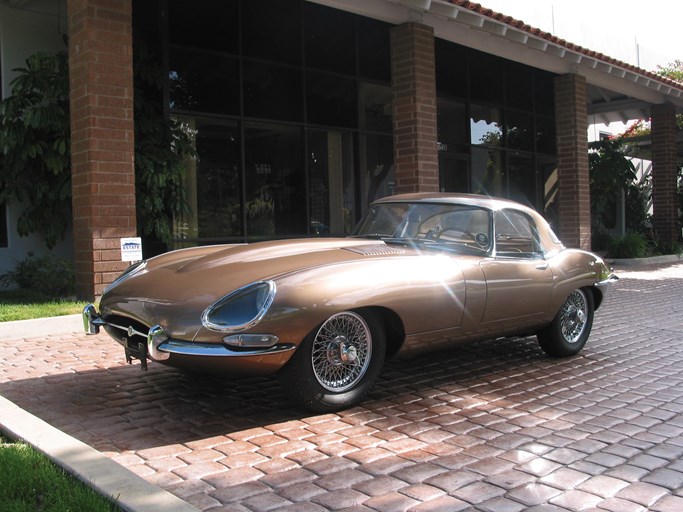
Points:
x=542, y=266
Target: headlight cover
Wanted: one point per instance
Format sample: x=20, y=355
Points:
x=241, y=309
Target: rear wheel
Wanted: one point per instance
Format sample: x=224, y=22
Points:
x=336, y=365
x=569, y=330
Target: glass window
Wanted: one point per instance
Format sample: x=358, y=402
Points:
x=547, y=167
x=203, y=24
x=272, y=92
x=213, y=183
x=454, y=172
x=331, y=100
x=520, y=131
x=330, y=183
x=275, y=184
x=451, y=123
x=516, y=234
x=330, y=40
x=488, y=174
x=521, y=174
x=201, y=82
x=374, y=50
x=377, y=167
x=545, y=135
x=544, y=92
x=272, y=30
x=376, y=108
x=451, y=68
x=485, y=77
x=519, y=86
x=486, y=126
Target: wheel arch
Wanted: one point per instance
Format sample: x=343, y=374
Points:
x=394, y=330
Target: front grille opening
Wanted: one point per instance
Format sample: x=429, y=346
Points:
x=117, y=327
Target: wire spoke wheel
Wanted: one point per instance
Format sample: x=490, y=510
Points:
x=341, y=351
x=574, y=316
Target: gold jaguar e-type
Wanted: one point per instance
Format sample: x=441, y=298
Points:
x=421, y=272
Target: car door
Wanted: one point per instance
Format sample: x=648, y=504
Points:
x=519, y=280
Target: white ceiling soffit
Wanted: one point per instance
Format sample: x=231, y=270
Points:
x=478, y=31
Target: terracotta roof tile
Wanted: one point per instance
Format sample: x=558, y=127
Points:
x=519, y=24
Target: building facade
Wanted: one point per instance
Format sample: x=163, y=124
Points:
x=303, y=112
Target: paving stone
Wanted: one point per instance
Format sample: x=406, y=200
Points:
x=494, y=425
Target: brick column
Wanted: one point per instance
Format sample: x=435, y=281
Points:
x=664, y=187
x=102, y=130
x=413, y=78
x=571, y=122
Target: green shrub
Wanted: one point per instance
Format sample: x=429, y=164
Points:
x=49, y=274
x=631, y=245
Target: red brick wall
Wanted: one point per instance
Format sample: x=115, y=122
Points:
x=664, y=189
x=572, y=161
x=414, y=84
x=102, y=130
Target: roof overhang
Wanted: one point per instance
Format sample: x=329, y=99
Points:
x=617, y=91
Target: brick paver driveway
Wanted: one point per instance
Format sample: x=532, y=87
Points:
x=488, y=426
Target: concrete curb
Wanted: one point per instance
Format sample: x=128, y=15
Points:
x=653, y=260
x=130, y=492
x=41, y=327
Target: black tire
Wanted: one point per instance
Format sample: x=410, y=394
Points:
x=569, y=330
x=337, y=363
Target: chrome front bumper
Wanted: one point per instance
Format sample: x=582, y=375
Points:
x=159, y=347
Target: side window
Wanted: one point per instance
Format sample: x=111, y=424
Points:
x=516, y=235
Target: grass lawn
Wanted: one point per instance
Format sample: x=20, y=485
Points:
x=27, y=304
x=31, y=482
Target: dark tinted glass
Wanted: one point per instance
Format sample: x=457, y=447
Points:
x=379, y=178
x=203, y=82
x=376, y=107
x=519, y=86
x=204, y=24
x=331, y=100
x=452, y=124
x=520, y=131
x=485, y=77
x=275, y=182
x=272, y=92
x=545, y=135
x=374, y=51
x=272, y=30
x=488, y=172
x=544, y=88
x=451, y=68
x=454, y=172
x=330, y=40
x=219, y=212
x=522, y=179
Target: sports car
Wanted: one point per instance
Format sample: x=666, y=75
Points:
x=421, y=272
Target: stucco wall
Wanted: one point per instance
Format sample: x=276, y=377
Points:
x=31, y=26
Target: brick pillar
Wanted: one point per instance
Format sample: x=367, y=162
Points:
x=413, y=78
x=571, y=122
x=102, y=130
x=664, y=187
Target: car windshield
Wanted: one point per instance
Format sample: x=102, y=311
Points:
x=446, y=225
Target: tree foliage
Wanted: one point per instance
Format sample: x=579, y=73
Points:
x=35, y=147
x=35, y=144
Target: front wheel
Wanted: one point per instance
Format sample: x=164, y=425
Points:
x=569, y=330
x=336, y=365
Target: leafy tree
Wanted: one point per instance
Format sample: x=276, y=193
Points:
x=35, y=148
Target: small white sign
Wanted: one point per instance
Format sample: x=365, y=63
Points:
x=131, y=249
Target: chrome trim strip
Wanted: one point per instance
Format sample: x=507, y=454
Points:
x=91, y=320
x=606, y=282
x=215, y=350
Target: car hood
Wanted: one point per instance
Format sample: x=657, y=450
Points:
x=174, y=288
